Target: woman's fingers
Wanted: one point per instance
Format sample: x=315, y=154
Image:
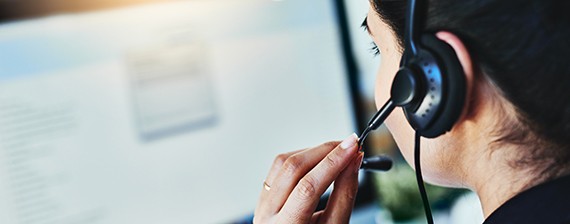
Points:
x=292, y=170
x=317, y=216
x=301, y=203
x=341, y=201
x=278, y=163
x=275, y=167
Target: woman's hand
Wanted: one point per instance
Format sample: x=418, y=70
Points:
x=297, y=180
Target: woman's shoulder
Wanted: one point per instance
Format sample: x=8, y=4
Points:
x=545, y=203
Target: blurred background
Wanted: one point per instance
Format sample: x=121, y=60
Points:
x=156, y=111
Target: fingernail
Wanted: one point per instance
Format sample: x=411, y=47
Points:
x=359, y=162
x=349, y=142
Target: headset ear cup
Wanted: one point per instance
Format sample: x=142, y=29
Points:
x=455, y=86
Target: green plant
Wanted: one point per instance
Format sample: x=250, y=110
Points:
x=398, y=193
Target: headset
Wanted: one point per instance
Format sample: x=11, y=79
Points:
x=430, y=87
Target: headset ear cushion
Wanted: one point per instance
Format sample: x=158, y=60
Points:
x=454, y=85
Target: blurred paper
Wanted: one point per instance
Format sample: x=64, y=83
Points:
x=172, y=89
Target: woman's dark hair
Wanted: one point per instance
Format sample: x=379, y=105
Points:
x=523, y=48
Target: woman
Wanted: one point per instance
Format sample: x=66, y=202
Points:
x=511, y=145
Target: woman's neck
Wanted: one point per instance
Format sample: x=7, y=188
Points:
x=495, y=181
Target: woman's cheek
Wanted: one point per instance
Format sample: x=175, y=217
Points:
x=403, y=134
x=384, y=78
x=396, y=122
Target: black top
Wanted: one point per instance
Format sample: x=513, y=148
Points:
x=545, y=203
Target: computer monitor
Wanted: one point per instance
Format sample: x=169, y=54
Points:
x=162, y=112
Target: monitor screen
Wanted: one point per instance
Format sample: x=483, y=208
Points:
x=163, y=112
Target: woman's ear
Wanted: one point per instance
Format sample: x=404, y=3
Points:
x=467, y=64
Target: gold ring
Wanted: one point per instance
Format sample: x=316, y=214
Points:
x=266, y=186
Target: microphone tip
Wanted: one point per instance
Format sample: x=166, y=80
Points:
x=377, y=163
